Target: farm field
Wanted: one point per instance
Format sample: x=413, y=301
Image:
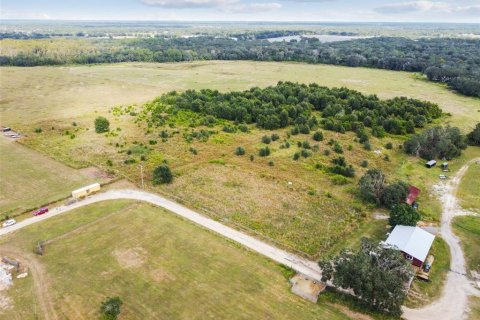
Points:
x=160, y=266
x=68, y=92
x=30, y=179
x=301, y=206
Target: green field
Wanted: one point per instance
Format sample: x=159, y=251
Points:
x=29, y=179
x=292, y=203
x=468, y=230
x=160, y=265
x=56, y=93
x=469, y=189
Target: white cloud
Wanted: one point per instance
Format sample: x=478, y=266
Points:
x=254, y=7
x=424, y=6
x=189, y=4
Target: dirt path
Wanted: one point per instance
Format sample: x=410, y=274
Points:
x=453, y=303
x=299, y=264
x=40, y=277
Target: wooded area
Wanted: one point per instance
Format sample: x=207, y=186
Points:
x=452, y=61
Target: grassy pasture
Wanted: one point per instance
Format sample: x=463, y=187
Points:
x=30, y=179
x=469, y=188
x=468, y=230
x=52, y=93
x=160, y=265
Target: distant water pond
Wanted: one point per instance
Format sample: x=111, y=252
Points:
x=321, y=37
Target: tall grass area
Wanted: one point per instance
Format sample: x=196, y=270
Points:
x=160, y=265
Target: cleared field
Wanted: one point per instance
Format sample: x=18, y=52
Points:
x=149, y=258
x=30, y=179
x=469, y=189
x=468, y=230
x=69, y=92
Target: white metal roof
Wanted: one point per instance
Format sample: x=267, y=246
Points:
x=411, y=240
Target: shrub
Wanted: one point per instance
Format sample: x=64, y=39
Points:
x=339, y=161
x=101, y=125
x=109, y=163
x=364, y=164
x=337, y=148
x=303, y=128
x=163, y=134
x=38, y=130
x=389, y=146
x=266, y=139
x=275, y=137
x=193, y=151
x=239, y=151
x=306, y=145
x=152, y=142
x=344, y=171
x=270, y=163
x=243, y=127
x=305, y=153
x=143, y=158
x=74, y=124
x=367, y=146
x=318, y=136
x=111, y=308
x=326, y=152
x=252, y=157
x=229, y=129
x=294, y=131
x=162, y=174
x=296, y=156
x=264, y=152
x=339, y=180
x=403, y=214
x=386, y=157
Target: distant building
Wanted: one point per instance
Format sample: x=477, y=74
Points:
x=413, y=242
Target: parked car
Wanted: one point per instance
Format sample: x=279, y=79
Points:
x=9, y=223
x=40, y=211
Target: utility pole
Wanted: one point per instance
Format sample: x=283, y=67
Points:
x=141, y=174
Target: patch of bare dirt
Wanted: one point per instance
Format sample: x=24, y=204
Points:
x=94, y=172
x=131, y=258
x=160, y=275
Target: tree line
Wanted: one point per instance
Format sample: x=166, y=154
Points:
x=455, y=62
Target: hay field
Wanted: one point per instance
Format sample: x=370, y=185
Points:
x=160, y=265
x=49, y=93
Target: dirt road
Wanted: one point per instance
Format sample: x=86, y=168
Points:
x=299, y=264
x=453, y=303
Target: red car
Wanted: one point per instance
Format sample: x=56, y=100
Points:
x=40, y=211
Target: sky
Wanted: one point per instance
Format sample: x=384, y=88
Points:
x=466, y=11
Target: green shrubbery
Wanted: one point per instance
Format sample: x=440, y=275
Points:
x=102, y=125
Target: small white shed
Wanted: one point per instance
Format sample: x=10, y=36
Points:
x=85, y=191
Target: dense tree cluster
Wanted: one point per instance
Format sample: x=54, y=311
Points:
x=376, y=275
x=292, y=104
x=403, y=214
x=452, y=61
x=437, y=143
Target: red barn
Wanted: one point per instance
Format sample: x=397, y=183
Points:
x=413, y=242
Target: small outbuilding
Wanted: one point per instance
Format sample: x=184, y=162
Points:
x=431, y=163
x=413, y=242
x=413, y=193
x=85, y=191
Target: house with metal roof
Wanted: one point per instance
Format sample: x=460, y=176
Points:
x=413, y=242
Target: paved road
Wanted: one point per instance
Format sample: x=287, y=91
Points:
x=453, y=303
x=299, y=264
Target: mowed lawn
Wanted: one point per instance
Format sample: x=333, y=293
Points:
x=29, y=179
x=161, y=266
x=47, y=93
x=469, y=188
x=468, y=230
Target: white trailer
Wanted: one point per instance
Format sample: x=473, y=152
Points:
x=85, y=191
